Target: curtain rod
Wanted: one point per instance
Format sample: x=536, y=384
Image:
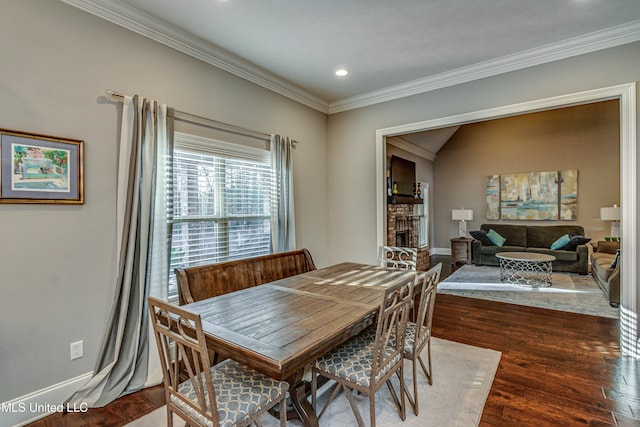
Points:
x=204, y=121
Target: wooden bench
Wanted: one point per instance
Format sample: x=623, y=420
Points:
x=206, y=281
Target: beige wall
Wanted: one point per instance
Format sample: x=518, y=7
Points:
x=57, y=261
x=352, y=134
x=586, y=138
x=353, y=210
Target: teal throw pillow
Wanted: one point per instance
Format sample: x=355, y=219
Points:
x=496, y=238
x=561, y=242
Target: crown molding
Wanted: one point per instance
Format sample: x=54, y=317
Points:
x=403, y=144
x=611, y=37
x=161, y=32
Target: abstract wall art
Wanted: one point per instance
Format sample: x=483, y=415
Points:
x=533, y=196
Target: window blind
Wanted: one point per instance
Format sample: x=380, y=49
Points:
x=220, y=203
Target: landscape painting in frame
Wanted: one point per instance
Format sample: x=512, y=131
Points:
x=40, y=169
x=529, y=196
x=569, y=195
x=493, y=197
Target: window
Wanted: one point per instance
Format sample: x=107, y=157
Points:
x=220, y=203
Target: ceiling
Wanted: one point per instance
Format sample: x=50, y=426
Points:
x=391, y=48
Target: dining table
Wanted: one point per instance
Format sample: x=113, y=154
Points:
x=281, y=327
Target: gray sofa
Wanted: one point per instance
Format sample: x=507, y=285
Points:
x=608, y=277
x=533, y=238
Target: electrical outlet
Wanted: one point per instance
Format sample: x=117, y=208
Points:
x=76, y=350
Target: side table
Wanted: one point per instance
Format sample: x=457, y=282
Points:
x=461, y=250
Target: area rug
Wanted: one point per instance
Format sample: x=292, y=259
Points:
x=569, y=291
x=462, y=378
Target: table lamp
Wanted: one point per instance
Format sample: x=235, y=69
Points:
x=612, y=213
x=463, y=215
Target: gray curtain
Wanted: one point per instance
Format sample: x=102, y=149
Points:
x=283, y=229
x=126, y=361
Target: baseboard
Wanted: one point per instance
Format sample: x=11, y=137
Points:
x=440, y=251
x=33, y=406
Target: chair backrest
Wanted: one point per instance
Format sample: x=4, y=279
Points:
x=392, y=320
x=426, y=305
x=397, y=257
x=179, y=333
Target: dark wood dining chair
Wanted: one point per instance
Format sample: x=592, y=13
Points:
x=228, y=393
x=367, y=361
x=418, y=333
x=397, y=257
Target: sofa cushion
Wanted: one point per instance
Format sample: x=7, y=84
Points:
x=601, y=265
x=561, y=242
x=492, y=250
x=482, y=236
x=608, y=247
x=516, y=235
x=542, y=236
x=560, y=254
x=495, y=237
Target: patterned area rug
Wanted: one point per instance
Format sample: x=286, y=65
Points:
x=462, y=379
x=568, y=292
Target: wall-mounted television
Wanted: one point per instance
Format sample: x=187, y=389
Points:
x=403, y=173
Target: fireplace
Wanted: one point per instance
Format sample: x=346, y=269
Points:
x=403, y=229
x=402, y=238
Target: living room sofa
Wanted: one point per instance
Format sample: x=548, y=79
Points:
x=608, y=277
x=533, y=238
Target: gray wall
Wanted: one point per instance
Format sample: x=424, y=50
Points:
x=57, y=62
x=57, y=261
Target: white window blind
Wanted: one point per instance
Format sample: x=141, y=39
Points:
x=220, y=206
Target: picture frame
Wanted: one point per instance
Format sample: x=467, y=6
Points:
x=38, y=168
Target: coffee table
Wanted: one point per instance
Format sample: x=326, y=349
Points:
x=526, y=268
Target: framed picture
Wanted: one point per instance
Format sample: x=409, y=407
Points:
x=40, y=169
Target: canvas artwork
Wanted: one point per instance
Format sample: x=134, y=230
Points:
x=537, y=196
x=529, y=196
x=569, y=195
x=493, y=197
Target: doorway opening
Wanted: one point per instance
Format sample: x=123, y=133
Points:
x=626, y=94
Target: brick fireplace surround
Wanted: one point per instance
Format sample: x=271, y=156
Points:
x=403, y=229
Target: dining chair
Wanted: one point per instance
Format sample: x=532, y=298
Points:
x=397, y=257
x=367, y=361
x=227, y=394
x=418, y=333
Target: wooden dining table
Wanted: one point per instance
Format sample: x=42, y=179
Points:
x=280, y=327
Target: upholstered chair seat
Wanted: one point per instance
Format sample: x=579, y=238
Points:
x=228, y=394
x=352, y=360
x=367, y=361
x=240, y=393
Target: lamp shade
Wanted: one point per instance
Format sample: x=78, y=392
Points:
x=462, y=214
x=610, y=213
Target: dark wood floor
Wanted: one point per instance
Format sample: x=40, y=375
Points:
x=557, y=368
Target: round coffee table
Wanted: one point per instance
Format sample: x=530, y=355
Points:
x=526, y=268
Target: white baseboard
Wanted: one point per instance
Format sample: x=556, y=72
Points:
x=33, y=406
x=439, y=251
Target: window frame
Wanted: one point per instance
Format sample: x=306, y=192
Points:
x=221, y=219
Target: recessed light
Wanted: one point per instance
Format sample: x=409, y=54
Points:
x=342, y=72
